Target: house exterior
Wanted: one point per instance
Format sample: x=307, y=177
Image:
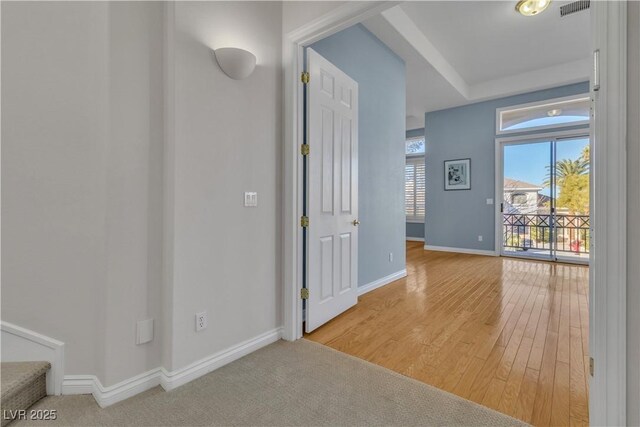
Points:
x=522, y=197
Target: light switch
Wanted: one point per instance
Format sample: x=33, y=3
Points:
x=489, y=201
x=250, y=199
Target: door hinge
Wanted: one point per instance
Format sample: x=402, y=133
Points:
x=305, y=77
x=304, y=149
x=304, y=293
x=304, y=221
x=591, y=365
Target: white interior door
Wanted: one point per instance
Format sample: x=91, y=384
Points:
x=332, y=191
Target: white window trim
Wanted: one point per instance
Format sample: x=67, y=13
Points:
x=532, y=105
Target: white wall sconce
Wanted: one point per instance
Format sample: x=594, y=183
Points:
x=236, y=63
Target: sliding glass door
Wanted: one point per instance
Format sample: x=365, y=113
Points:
x=544, y=210
x=526, y=219
x=571, y=199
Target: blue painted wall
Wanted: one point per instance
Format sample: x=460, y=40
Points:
x=456, y=218
x=415, y=132
x=380, y=74
x=415, y=229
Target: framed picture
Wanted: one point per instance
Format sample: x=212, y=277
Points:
x=457, y=174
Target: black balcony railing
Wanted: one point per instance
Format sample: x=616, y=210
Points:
x=534, y=231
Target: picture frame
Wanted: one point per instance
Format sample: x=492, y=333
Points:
x=457, y=174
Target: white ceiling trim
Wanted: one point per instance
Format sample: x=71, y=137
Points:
x=350, y=14
x=544, y=78
x=405, y=26
x=557, y=75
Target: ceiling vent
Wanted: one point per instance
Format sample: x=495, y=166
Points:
x=574, y=7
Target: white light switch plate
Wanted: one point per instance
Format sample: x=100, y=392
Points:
x=250, y=199
x=489, y=201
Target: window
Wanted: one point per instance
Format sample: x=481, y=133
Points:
x=519, y=199
x=415, y=146
x=553, y=113
x=414, y=188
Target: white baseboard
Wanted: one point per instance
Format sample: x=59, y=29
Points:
x=460, y=250
x=171, y=380
x=381, y=282
x=414, y=239
x=23, y=345
x=78, y=384
x=106, y=396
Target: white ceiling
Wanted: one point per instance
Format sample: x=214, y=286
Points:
x=459, y=52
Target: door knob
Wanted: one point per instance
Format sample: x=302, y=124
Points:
x=355, y=222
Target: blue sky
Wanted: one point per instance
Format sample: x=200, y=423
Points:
x=527, y=162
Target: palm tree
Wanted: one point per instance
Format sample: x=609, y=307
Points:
x=566, y=172
x=586, y=153
x=566, y=168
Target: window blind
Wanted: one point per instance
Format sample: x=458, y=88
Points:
x=414, y=188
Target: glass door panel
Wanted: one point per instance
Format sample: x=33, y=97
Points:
x=572, y=170
x=527, y=200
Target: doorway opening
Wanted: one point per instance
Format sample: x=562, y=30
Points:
x=607, y=115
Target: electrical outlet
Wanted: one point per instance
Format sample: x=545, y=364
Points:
x=390, y=256
x=201, y=321
x=479, y=238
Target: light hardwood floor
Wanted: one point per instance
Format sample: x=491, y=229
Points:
x=507, y=333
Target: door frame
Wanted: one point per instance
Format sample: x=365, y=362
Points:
x=293, y=46
x=608, y=272
x=499, y=178
x=607, y=308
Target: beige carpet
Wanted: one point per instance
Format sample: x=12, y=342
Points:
x=301, y=383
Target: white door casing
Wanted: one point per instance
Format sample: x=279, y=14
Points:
x=332, y=191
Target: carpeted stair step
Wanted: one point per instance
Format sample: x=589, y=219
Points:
x=22, y=385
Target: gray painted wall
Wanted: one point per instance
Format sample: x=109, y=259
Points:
x=81, y=178
x=99, y=180
x=381, y=83
x=457, y=218
x=214, y=236
x=415, y=229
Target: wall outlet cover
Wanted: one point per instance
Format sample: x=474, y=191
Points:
x=144, y=331
x=201, y=321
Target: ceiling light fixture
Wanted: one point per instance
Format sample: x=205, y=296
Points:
x=554, y=113
x=532, y=7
